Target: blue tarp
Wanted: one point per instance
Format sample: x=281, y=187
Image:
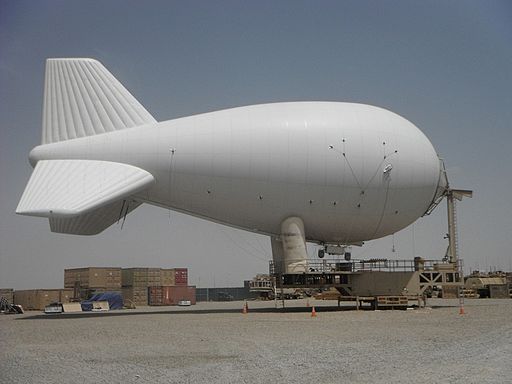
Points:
x=115, y=300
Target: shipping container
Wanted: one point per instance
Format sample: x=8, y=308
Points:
x=141, y=277
x=168, y=276
x=449, y=292
x=221, y=294
x=107, y=278
x=65, y=295
x=7, y=294
x=171, y=295
x=135, y=296
x=37, y=299
x=181, y=276
x=499, y=291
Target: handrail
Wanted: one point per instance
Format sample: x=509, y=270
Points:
x=354, y=266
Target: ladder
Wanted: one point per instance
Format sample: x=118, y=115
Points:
x=453, y=249
x=451, y=196
x=279, y=303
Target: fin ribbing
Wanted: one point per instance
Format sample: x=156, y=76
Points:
x=82, y=98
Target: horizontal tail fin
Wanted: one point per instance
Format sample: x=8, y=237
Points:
x=82, y=98
x=95, y=221
x=82, y=196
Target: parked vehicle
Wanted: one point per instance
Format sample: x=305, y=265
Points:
x=54, y=307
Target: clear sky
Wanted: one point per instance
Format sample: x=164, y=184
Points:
x=444, y=65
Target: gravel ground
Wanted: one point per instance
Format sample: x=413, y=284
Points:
x=216, y=343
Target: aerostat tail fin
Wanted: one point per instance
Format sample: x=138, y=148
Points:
x=82, y=98
x=82, y=197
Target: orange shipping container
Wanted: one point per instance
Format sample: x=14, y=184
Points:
x=166, y=295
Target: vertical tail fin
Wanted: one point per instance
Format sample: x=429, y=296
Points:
x=82, y=98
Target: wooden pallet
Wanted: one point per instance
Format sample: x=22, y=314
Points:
x=392, y=301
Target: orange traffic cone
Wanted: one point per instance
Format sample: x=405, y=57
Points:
x=461, y=310
x=244, y=309
x=313, y=312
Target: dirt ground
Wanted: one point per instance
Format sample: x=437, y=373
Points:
x=216, y=343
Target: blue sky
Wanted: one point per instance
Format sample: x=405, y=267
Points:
x=444, y=65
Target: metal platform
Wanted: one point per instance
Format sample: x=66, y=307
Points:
x=371, y=278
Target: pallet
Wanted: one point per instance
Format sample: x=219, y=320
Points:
x=392, y=302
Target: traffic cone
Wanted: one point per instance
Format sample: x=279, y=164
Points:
x=244, y=309
x=461, y=310
x=313, y=312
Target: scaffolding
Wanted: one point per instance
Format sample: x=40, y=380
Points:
x=381, y=282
